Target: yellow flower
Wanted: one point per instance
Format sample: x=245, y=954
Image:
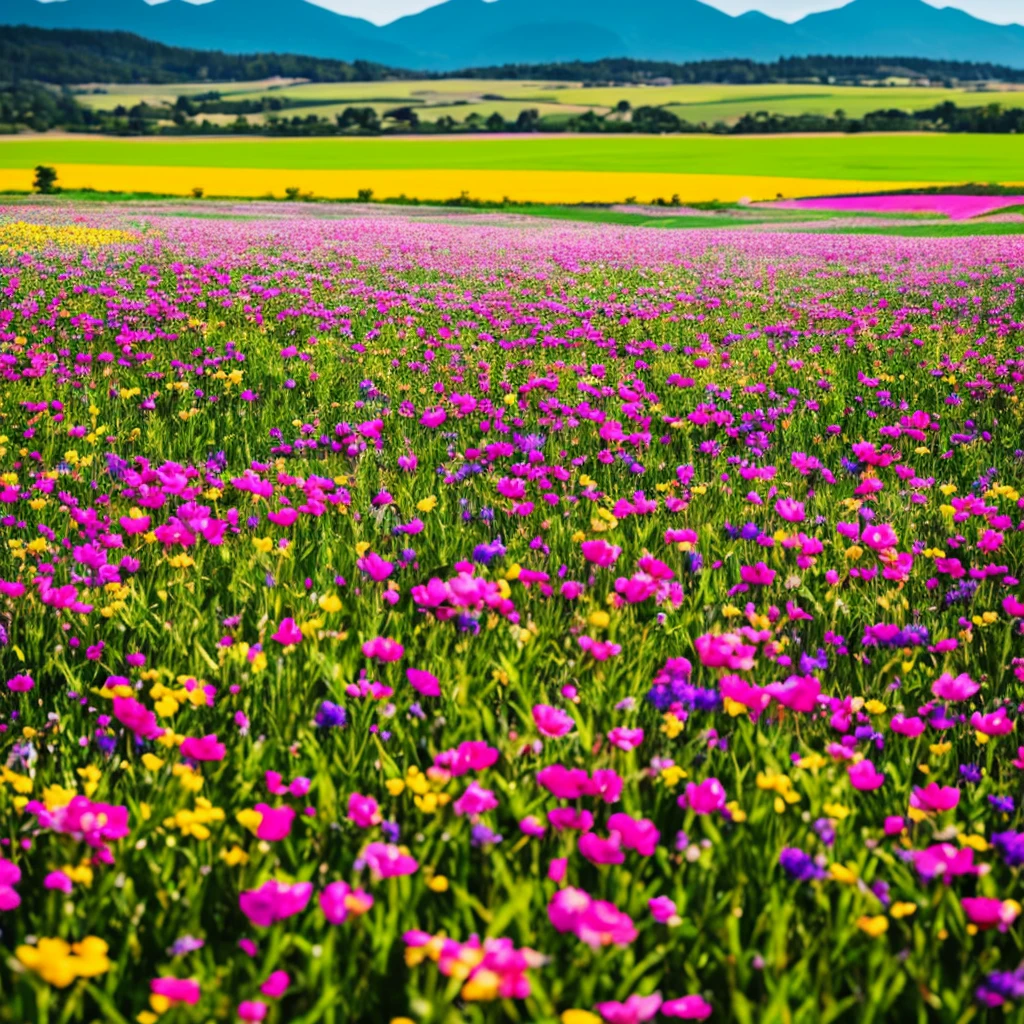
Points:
x=874, y=926
x=875, y=707
x=841, y=873
x=438, y=884
x=483, y=986
x=427, y=504
x=235, y=856
x=837, y=811
x=672, y=727
x=249, y=819
x=58, y=964
x=263, y=544
x=579, y=1017
x=330, y=603
x=899, y=910
x=51, y=959
x=672, y=775
x=599, y=619
x=395, y=786
x=974, y=842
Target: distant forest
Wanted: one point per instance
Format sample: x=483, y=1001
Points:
x=76, y=57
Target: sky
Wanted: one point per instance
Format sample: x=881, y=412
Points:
x=1002, y=11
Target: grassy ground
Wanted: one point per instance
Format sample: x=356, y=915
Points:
x=935, y=158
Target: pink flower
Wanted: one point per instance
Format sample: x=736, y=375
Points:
x=600, y=552
x=798, y=693
x=894, y=825
x=687, y=1008
x=423, y=682
x=20, y=683
x=880, y=537
x=758, y=575
x=10, y=876
x=934, y=797
x=864, y=775
x=638, y=834
x=364, y=811
x=552, y=722
x=177, y=990
x=383, y=649
x=960, y=688
x=55, y=880
x=945, y=861
x=252, y=1010
x=790, y=510
x=475, y=800
x=706, y=797
x=663, y=909
x=907, y=726
x=276, y=985
x=599, y=650
x=602, y=851
x=625, y=739
x=995, y=723
x=385, y=860
x=274, y=901
x=339, y=899
x=288, y=633
x=205, y=749
x=136, y=717
x=275, y=822
x=375, y=567
x=633, y=1011
x=557, y=868
x=987, y=912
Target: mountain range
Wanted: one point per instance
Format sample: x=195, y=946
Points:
x=472, y=33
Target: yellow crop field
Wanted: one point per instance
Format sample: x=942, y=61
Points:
x=441, y=184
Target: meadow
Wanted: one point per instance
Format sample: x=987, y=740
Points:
x=462, y=620
x=458, y=98
x=550, y=169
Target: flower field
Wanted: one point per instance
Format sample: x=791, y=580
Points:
x=437, y=621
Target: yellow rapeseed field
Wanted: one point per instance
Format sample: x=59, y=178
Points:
x=20, y=235
x=441, y=184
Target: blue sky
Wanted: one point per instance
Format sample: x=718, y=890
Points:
x=1002, y=11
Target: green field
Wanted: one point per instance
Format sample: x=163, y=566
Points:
x=459, y=97
x=938, y=158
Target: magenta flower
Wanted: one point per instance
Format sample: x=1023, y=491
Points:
x=137, y=717
x=934, y=798
x=663, y=909
x=276, y=985
x=383, y=649
x=687, y=1008
x=10, y=876
x=987, y=912
x=364, y=811
x=791, y=510
x=552, y=722
x=757, y=575
x=423, y=682
x=600, y=553
x=601, y=851
x=375, y=567
x=205, y=749
x=946, y=687
x=20, y=683
x=707, y=797
x=339, y=899
x=634, y=1010
x=177, y=990
x=625, y=739
x=288, y=634
x=995, y=723
x=274, y=901
x=252, y=1011
x=275, y=822
x=475, y=800
x=864, y=775
x=385, y=860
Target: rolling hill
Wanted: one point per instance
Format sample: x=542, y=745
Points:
x=464, y=33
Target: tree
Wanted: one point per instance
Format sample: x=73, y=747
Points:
x=45, y=181
x=496, y=123
x=404, y=115
x=623, y=107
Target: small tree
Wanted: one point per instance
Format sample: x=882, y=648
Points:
x=365, y=195
x=197, y=192
x=45, y=181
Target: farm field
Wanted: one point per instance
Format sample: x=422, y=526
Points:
x=530, y=169
x=458, y=98
x=459, y=618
